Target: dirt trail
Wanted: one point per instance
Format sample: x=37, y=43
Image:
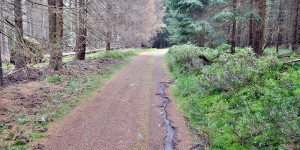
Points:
x=124, y=114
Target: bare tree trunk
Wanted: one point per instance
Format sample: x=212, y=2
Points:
x=1, y=42
x=4, y=38
x=233, y=42
x=1, y=27
x=1, y=69
x=270, y=27
x=52, y=21
x=251, y=26
x=56, y=32
x=108, y=45
x=239, y=34
x=5, y=46
x=109, y=26
x=81, y=33
x=298, y=40
x=19, y=54
x=294, y=19
x=279, y=27
x=260, y=28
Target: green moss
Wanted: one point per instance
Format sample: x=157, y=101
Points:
x=240, y=101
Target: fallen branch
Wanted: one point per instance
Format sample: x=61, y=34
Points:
x=292, y=61
x=12, y=73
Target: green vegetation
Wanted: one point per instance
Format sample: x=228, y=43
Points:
x=238, y=101
x=53, y=79
x=118, y=55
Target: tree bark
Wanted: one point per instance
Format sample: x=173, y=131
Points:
x=56, y=32
x=239, y=34
x=19, y=50
x=108, y=46
x=1, y=49
x=81, y=31
x=298, y=40
x=52, y=21
x=2, y=40
x=251, y=26
x=294, y=19
x=233, y=42
x=260, y=28
x=279, y=27
x=1, y=69
x=109, y=27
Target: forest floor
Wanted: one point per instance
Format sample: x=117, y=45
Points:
x=126, y=113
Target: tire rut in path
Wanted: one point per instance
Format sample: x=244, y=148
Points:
x=170, y=137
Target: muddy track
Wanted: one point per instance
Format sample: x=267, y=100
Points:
x=170, y=137
x=126, y=113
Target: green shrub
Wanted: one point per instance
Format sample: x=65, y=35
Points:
x=114, y=54
x=121, y=54
x=273, y=51
x=240, y=101
x=53, y=79
x=22, y=120
x=188, y=58
x=223, y=48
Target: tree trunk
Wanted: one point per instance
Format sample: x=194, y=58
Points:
x=19, y=51
x=251, y=26
x=239, y=34
x=2, y=42
x=233, y=42
x=4, y=38
x=56, y=32
x=109, y=27
x=260, y=28
x=1, y=70
x=298, y=40
x=81, y=31
x=279, y=27
x=1, y=27
x=294, y=19
x=108, y=46
x=52, y=21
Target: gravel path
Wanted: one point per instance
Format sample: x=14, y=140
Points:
x=124, y=114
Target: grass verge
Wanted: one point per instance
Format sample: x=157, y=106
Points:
x=238, y=101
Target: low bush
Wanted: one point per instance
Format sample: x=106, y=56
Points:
x=121, y=54
x=240, y=101
x=114, y=54
x=189, y=58
x=53, y=79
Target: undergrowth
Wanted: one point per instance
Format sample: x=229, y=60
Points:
x=240, y=101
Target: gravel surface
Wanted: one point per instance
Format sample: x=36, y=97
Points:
x=124, y=114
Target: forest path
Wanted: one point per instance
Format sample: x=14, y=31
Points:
x=124, y=114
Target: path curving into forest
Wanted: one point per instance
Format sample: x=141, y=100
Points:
x=126, y=113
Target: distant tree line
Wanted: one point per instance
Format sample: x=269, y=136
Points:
x=30, y=29
x=248, y=23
